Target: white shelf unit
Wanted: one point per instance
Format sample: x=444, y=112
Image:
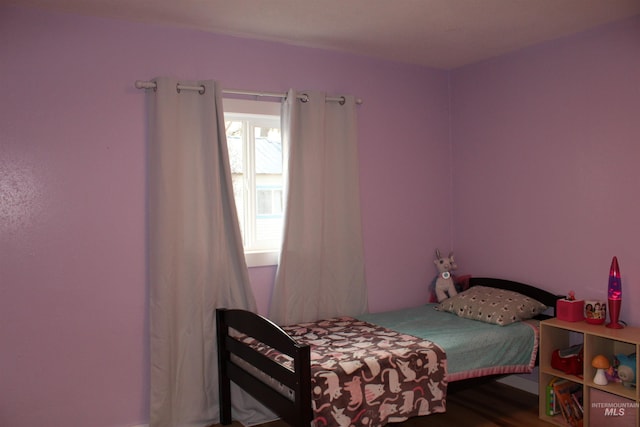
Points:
x=597, y=339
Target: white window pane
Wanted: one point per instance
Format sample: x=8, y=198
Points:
x=264, y=202
x=278, y=204
x=269, y=229
x=268, y=151
x=235, y=144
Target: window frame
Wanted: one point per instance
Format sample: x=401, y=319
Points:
x=245, y=107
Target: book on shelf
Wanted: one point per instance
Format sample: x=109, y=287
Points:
x=577, y=399
x=567, y=396
x=551, y=402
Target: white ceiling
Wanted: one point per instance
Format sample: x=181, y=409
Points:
x=437, y=33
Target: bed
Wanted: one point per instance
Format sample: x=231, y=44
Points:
x=376, y=369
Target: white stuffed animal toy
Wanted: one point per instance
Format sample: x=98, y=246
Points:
x=444, y=283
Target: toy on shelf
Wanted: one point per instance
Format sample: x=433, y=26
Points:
x=568, y=360
x=570, y=309
x=626, y=369
x=601, y=363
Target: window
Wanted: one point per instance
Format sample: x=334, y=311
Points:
x=256, y=156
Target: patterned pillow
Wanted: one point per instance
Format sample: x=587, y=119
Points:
x=492, y=305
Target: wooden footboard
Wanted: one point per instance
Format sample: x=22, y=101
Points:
x=295, y=409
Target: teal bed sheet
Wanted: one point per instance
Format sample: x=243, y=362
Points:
x=473, y=348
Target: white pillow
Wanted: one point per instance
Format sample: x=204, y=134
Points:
x=491, y=305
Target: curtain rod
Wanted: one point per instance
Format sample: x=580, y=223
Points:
x=141, y=84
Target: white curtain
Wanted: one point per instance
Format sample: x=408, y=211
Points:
x=321, y=268
x=196, y=259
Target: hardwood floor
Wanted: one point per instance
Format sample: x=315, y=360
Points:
x=489, y=405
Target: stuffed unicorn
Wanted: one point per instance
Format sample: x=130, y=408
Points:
x=445, y=286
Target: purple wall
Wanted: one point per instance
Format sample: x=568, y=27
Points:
x=546, y=145
x=545, y=188
x=72, y=195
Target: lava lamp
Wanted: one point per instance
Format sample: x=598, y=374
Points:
x=615, y=295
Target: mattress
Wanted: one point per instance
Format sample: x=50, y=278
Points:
x=473, y=348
